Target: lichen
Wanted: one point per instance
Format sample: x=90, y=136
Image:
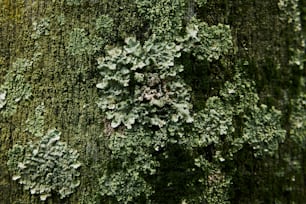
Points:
x=201, y=2
x=41, y=28
x=149, y=105
x=212, y=41
x=104, y=25
x=238, y=101
x=79, y=43
x=35, y=123
x=147, y=77
x=165, y=18
x=45, y=166
x=15, y=88
x=262, y=130
x=132, y=151
x=298, y=120
x=291, y=14
x=84, y=43
x=2, y=99
x=75, y=2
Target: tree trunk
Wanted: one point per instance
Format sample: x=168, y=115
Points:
x=63, y=77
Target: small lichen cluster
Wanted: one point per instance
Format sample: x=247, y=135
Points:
x=212, y=123
x=211, y=42
x=298, y=120
x=164, y=17
x=83, y=43
x=131, y=152
x=215, y=184
x=2, y=99
x=75, y=2
x=201, y=3
x=104, y=25
x=45, y=166
x=41, y=28
x=79, y=44
x=35, y=123
x=292, y=14
x=238, y=103
x=15, y=88
x=262, y=130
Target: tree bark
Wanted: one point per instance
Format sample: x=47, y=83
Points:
x=65, y=83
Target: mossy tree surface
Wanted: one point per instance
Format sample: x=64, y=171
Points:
x=248, y=91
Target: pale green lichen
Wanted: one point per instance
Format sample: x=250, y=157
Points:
x=260, y=126
x=15, y=88
x=104, y=25
x=149, y=107
x=81, y=43
x=292, y=15
x=143, y=91
x=164, y=17
x=132, y=150
x=212, y=123
x=262, y=130
x=211, y=41
x=86, y=43
x=147, y=77
x=35, y=124
x=2, y=99
x=298, y=120
x=45, y=166
x=201, y=2
x=75, y=2
x=216, y=184
x=41, y=28
x=61, y=19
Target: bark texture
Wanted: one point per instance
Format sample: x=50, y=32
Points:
x=63, y=78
